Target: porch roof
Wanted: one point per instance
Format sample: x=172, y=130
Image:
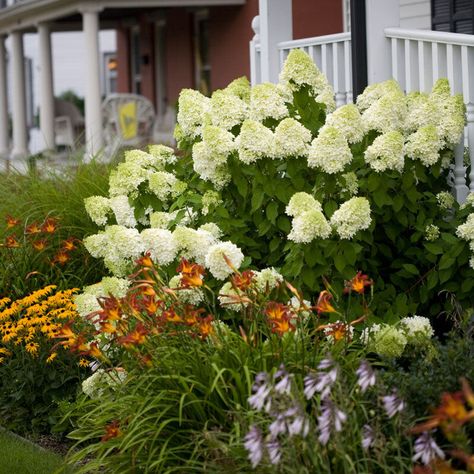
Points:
x=27, y=14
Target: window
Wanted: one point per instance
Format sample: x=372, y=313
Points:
x=456, y=16
x=201, y=52
x=110, y=73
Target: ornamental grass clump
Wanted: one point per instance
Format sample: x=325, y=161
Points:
x=377, y=170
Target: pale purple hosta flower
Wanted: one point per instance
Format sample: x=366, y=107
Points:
x=368, y=437
x=393, y=404
x=366, y=376
x=254, y=445
x=320, y=382
x=299, y=426
x=278, y=426
x=325, y=364
x=331, y=418
x=426, y=449
x=273, y=449
x=284, y=381
x=261, y=390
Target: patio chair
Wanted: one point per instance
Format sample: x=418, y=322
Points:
x=68, y=124
x=127, y=121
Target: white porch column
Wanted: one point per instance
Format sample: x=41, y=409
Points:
x=276, y=25
x=380, y=15
x=46, y=87
x=20, y=135
x=94, y=138
x=4, y=139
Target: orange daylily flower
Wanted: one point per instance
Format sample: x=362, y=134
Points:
x=107, y=327
x=150, y=304
x=145, y=261
x=276, y=311
x=50, y=225
x=62, y=257
x=68, y=244
x=112, y=430
x=11, y=242
x=112, y=310
x=11, y=221
x=191, y=274
x=205, y=326
x=33, y=228
x=94, y=351
x=172, y=316
x=323, y=305
x=137, y=336
x=358, y=283
x=281, y=326
x=191, y=315
x=243, y=280
x=339, y=331
x=39, y=244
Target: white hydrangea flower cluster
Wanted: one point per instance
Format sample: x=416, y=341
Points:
x=126, y=178
x=466, y=232
x=210, y=167
x=255, y=142
x=386, y=152
x=162, y=220
x=391, y=341
x=227, y=110
x=193, y=244
x=217, y=264
x=267, y=279
x=445, y=200
x=267, y=101
x=417, y=329
x=351, y=217
x=165, y=185
x=299, y=70
x=422, y=111
x=431, y=233
x=161, y=245
x=308, y=222
x=101, y=380
x=192, y=107
x=230, y=298
x=374, y=92
x=117, y=245
x=387, y=113
x=291, y=139
x=329, y=151
x=124, y=212
x=450, y=119
x=192, y=296
x=98, y=208
x=469, y=202
x=239, y=87
x=424, y=145
x=348, y=121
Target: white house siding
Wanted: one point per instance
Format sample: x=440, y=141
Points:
x=415, y=14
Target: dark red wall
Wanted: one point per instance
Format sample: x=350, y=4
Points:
x=230, y=33
x=179, y=52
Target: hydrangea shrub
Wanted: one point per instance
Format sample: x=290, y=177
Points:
x=286, y=180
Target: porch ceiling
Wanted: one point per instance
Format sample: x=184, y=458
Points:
x=63, y=14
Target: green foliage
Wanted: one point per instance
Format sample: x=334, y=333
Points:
x=30, y=390
x=423, y=380
x=32, y=198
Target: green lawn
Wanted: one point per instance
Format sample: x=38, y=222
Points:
x=18, y=457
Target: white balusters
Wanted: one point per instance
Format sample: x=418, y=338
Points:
x=425, y=66
x=460, y=189
x=348, y=71
x=255, y=66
